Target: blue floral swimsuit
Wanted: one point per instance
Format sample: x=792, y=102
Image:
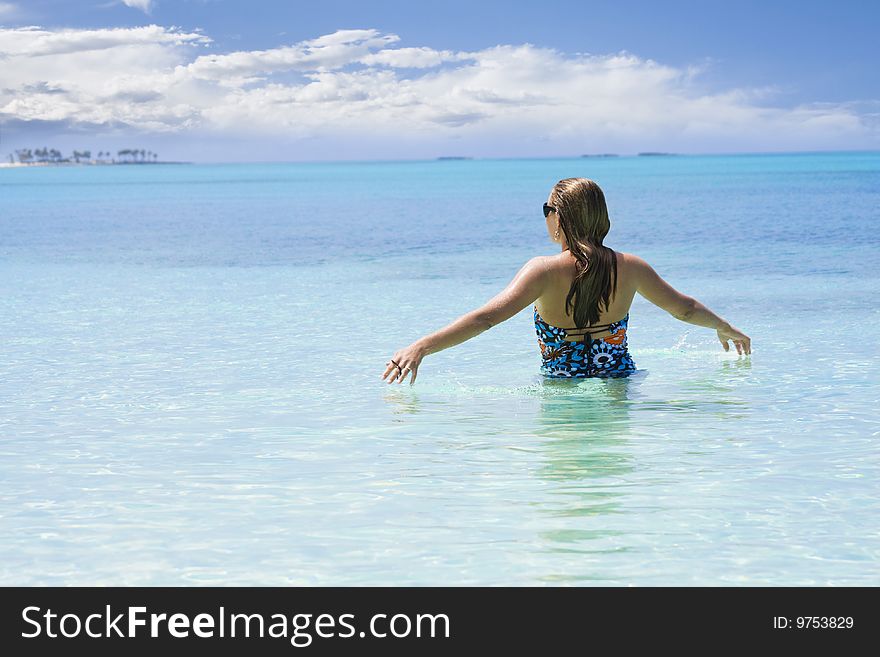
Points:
x=601, y=357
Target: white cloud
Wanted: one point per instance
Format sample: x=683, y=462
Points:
x=24, y=42
x=354, y=84
x=145, y=6
x=326, y=52
x=411, y=57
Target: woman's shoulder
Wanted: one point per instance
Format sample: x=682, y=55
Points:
x=623, y=256
x=631, y=261
x=564, y=261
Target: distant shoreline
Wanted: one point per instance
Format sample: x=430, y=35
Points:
x=451, y=159
x=15, y=165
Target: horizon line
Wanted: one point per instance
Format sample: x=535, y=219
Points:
x=454, y=158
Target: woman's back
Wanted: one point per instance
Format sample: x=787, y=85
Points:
x=596, y=351
x=551, y=304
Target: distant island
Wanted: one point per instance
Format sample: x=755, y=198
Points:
x=454, y=157
x=650, y=153
x=600, y=155
x=51, y=156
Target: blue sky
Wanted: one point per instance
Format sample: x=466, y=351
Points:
x=363, y=80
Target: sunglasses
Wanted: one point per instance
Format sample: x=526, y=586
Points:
x=548, y=209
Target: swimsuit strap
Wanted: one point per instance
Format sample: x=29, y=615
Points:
x=592, y=329
x=589, y=330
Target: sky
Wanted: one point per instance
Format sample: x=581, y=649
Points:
x=272, y=80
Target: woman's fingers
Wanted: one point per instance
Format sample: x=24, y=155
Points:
x=405, y=362
x=743, y=347
x=744, y=344
x=741, y=341
x=393, y=370
x=398, y=372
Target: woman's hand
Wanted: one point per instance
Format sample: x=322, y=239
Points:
x=409, y=360
x=741, y=340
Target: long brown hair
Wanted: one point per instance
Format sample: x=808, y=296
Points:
x=583, y=217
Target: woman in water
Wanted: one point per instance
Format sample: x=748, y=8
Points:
x=587, y=288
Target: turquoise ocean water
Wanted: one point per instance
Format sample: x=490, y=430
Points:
x=191, y=393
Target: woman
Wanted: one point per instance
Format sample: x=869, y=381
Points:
x=587, y=285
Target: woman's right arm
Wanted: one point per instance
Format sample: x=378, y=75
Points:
x=685, y=308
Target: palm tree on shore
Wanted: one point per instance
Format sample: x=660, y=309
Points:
x=54, y=156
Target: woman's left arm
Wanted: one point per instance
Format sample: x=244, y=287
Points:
x=528, y=284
